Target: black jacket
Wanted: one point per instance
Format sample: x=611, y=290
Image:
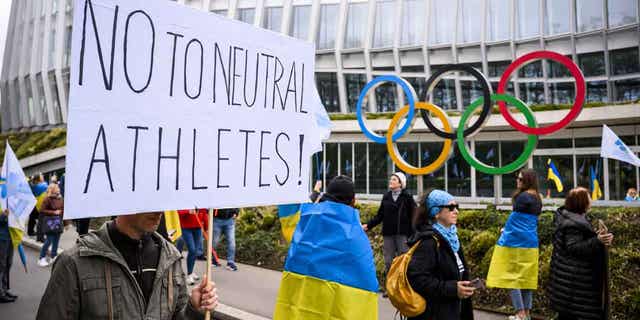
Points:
x=227, y=213
x=578, y=282
x=433, y=273
x=396, y=215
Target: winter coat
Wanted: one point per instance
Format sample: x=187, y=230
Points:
x=193, y=221
x=433, y=273
x=51, y=204
x=396, y=216
x=80, y=281
x=578, y=281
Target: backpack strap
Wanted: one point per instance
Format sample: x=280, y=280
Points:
x=107, y=276
x=170, y=288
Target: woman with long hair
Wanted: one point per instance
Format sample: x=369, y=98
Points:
x=52, y=210
x=578, y=281
x=514, y=264
x=438, y=270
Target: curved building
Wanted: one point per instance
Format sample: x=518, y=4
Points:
x=359, y=40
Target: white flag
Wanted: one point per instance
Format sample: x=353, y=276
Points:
x=614, y=148
x=15, y=192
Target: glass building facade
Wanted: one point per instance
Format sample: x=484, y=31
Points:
x=357, y=40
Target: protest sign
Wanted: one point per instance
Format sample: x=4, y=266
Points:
x=174, y=108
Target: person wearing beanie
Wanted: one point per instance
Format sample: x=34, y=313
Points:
x=438, y=270
x=395, y=213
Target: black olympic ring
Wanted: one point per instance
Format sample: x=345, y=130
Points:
x=486, y=92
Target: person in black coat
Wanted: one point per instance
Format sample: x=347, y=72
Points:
x=395, y=213
x=438, y=270
x=578, y=281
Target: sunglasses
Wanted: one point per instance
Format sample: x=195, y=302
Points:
x=451, y=207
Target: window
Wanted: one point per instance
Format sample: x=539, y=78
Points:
x=622, y=176
x=531, y=70
x=386, y=97
x=510, y=151
x=356, y=25
x=299, y=27
x=318, y=165
x=555, y=143
x=527, y=23
x=627, y=90
x=54, y=93
x=67, y=46
x=499, y=20
x=413, y=22
x=419, y=86
x=459, y=175
x=272, y=18
x=246, y=15
x=592, y=64
x=331, y=161
x=346, y=160
x=497, y=68
x=360, y=162
x=589, y=15
x=328, y=26
x=52, y=45
x=469, y=21
x=409, y=152
x=354, y=84
x=68, y=5
x=471, y=90
x=622, y=12
x=556, y=21
x=562, y=92
x=327, y=84
x=624, y=61
x=586, y=163
x=564, y=164
x=558, y=70
x=379, y=168
x=429, y=152
x=442, y=22
x=54, y=6
x=597, y=91
x=487, y=153
x=384, y=24
x=444, y=94
x=222, y=12
x=532, y=92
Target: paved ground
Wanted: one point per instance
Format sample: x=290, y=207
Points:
x=251, y=289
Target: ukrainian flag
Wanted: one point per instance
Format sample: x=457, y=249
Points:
x=514, y=264
x=330, y=271
x=289, y=215
x=596, y=192
x=554, y=175
x=40, y=192
x=172, y=222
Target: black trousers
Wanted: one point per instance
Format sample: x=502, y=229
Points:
x=31, y=226
x=6, y=257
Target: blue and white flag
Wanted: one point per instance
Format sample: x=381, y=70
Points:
x=614, y=148
x=15, y=193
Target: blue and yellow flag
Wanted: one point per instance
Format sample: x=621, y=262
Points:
x=330, y=271
x=40, y=192
x=554, y=175
x=514, y=264
x=596, y=192
x=289, y=215
x=172, y=222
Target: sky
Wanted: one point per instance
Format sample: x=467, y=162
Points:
x=5, y=10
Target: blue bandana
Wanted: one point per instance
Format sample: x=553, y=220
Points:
x=450, y=234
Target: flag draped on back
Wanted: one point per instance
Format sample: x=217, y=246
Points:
x=40, y=192
x=554, y=175
x=289, y=215
x=596, y=192
x=612, y=147
x=172, y=221
x=16, y=195
x=330, y=271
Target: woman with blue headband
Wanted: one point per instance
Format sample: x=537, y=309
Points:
x=438, y=271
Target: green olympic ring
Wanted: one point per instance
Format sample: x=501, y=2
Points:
x=532, y=140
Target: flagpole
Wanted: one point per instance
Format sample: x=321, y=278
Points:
x=207, y=314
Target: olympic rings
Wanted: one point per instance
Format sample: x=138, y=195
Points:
x=411, y=95
x=577, y=104
x=460, y=133
x=392, y=148
x=486, y=93
x=532, y=141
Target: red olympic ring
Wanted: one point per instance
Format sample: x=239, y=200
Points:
x=577, y=105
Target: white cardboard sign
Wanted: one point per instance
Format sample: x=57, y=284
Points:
x=174, y=108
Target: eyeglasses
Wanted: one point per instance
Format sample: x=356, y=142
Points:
x=451, y=207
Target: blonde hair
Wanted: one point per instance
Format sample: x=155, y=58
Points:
x=53, y=188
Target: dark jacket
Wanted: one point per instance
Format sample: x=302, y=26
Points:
x=433, y=273
x=526, y=202
x=227, y=213
x=79, y=284
x=578, y=281
x=4, y=227
x=50, y=204
x=395, y=216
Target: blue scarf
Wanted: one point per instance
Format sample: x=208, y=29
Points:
x=450, y=234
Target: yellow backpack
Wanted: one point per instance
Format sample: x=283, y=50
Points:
x=408, y=302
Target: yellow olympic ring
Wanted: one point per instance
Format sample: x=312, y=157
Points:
x=392, y=148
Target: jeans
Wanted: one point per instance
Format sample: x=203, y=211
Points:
x=228, y=227
x=52, y=240
x=191, y=238
x=6, y=257
x=522, y=299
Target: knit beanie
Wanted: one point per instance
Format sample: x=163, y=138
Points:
x=341, y=190
x=402, y=178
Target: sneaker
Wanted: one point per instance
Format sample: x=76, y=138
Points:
x=43, y=262
x=516, y=317
x=215, y=263
x=190, y=280
x=232, y=266
x=195, y=277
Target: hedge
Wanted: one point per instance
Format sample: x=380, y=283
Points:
x=259, y=242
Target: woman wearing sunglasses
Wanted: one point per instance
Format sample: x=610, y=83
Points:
x=438, y=270
x=514, y=264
